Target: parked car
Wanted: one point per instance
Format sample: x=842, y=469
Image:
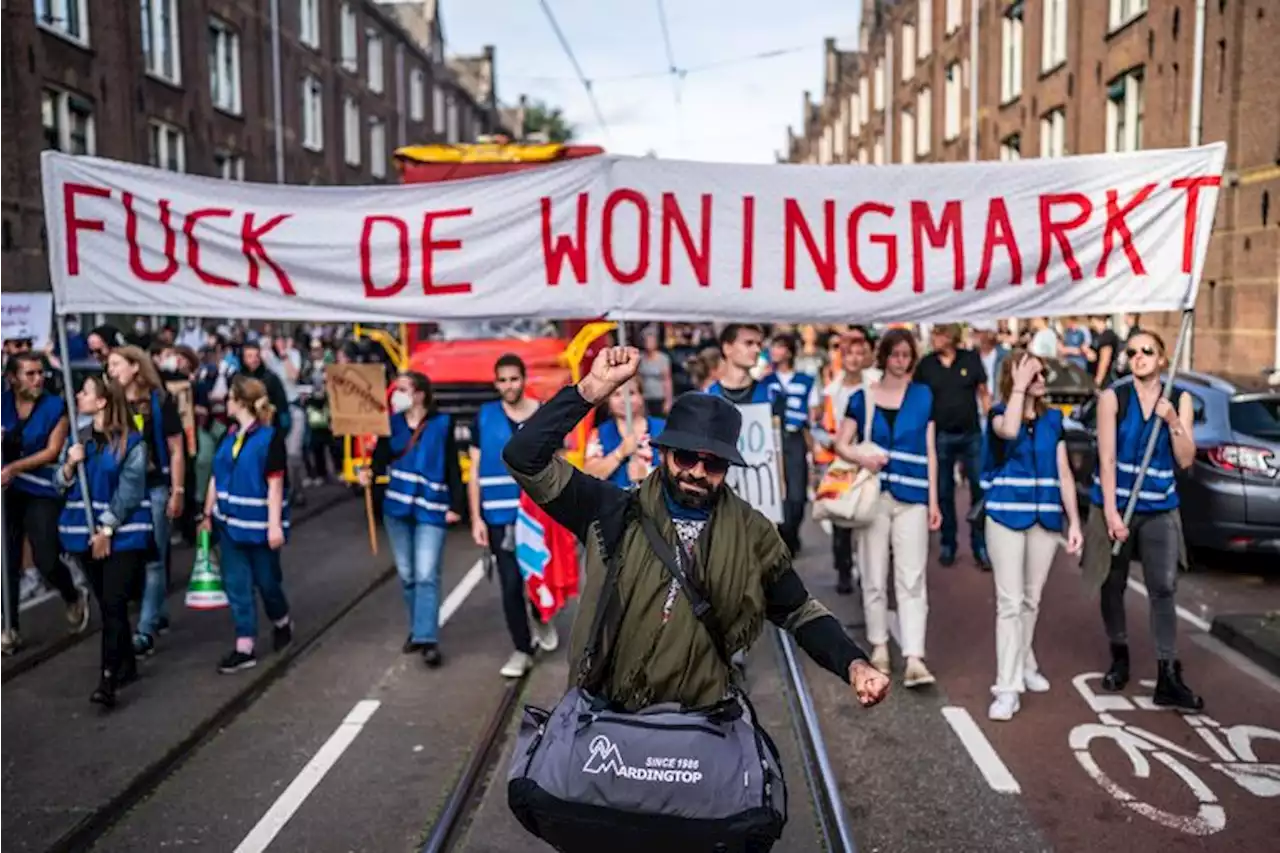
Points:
x=1230, y=496
x=1067, y=386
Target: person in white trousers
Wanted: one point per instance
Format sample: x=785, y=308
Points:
x=900, y=447
x=1028, y=489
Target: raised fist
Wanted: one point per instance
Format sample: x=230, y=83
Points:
x=611, y=368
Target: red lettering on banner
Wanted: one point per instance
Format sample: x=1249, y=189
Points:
x=75, y=224
x=611, y=203
x=564, y=245
x=1116, y=225
x=430, y=247
x=923, y=226
x=371, y=289
x=824, y=262
x=999, y=233
x=135, y=251
x=1057, y=232
x=251, y=247
x=889, y=241
x=1192, y=186
x=193, y=245
x=748, y=241
x=699, y=257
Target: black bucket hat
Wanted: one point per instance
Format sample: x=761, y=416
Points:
x=703, y=423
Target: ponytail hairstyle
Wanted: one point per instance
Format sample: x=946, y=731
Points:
x=252, y=395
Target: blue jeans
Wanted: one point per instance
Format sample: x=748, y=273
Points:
x=155, y=589
x=965, y=448
x=245, y=567
x=418, y=549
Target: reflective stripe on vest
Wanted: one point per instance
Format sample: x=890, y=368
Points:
x=241, y=483
x=499, y=494
x=416, y=485
x=1159, y=487
x=797, y=391
x=102, y=470
x=906, y=477
x=45, y=414
x=1024, y=490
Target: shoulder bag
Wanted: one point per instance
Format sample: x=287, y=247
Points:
x=848, y=494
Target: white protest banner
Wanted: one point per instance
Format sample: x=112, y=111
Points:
x=759, y=483
x=644, y=238
x=27, y=315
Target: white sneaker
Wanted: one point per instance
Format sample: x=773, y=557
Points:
x=545, y=636
x=1035, y=682
x=1004, y=707
x=517, y=665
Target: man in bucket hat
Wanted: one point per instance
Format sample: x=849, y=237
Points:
x=655, y=647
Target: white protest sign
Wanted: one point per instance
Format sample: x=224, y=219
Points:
x=760, y=482
x=27, y=315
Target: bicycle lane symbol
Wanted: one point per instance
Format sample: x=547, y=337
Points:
x=1231, y=749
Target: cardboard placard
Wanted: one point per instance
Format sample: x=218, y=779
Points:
x=357, y=399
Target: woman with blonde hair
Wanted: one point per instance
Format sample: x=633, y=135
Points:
x=1028, y=488
x=156, y=418
x=246, y=498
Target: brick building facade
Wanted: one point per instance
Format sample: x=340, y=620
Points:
x=1060, y=77
x=188, y=85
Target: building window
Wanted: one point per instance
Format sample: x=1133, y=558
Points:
x=350, y=46
x=924, y=18
x=160, y=39
x=68, y=122
x=224, y=67
x=377, y=148
x=1053, y=45
x=907, y=138
x=67, y=18
x=1011, y=148
x=1124, y=112
x=862, y=157
x=417, y=94
x=924, y=121
x=824, y=147
x=855, y=114
x=1053, y=133
x=842, y=134
x=168, y=147
x=309, y=22
x=228, y=166
x=1011, y=54
x=877, y=151
x=373, y=50
x=312, y=114
x=951, y=109
x=955, y=14
x=864, y=100
x=1124, y=11
x=451, y=132
x=351, y=132
x=879, y=83
x=437, y=110
x=908, y=51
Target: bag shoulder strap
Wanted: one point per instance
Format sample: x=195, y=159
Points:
x=591, y=671
x=701, y=607
x=868, y=395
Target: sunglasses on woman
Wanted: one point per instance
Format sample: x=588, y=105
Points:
x=686, y=459
x=1147, y=351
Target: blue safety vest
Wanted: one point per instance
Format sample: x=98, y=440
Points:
x=906, y=477
x=1022, y=489
x=241, y=481
x=499, y=494
x=102, y=470
x=416, y=487
x=763, y=392
x=796, y=392
x=611, y=438
x=45, y=414
x=1159, y=491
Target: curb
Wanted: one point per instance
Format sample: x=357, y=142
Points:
x=90, y=828
x=1229, y=633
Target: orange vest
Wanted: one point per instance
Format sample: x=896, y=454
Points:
x=821, y=455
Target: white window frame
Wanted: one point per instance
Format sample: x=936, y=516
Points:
x=953, y=85
x=863, y=157
x=349, y=44
x=228, y=165
x=855, y=114
x=61, y=107
x=224, y=62
x=312, y=113
x=1053, y=133
x=908, y=51
x=1053, y=37
x=1011, y=45
x=841, y=151
x=924, y=20
x=906, y=137
x=375, y=62
x=162, y=137
x=877, y=150
x=152, y=25
x=924, y=121
x=377, y=147
x=879, y=84
x=1121, y=12
x=438, y=109
x=955, y=15
x=824, y=147
x=54, y=16
x=864, y=99
x=452, y=129
x=351, y=131
x=1011, y=149
x=1125, y=113
x=417, y=95
x=309, y=23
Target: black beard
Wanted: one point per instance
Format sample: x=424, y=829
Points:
x=685, y=499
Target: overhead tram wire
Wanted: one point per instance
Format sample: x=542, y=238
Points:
x=582, y=78
x=676, y=73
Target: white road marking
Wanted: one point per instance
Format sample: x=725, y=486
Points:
x=981, y=751
x=1141, y=588
x=288, y=803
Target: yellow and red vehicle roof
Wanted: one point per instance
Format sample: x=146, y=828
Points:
x=437, y=162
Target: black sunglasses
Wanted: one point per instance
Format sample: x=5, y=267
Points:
x=686, y=459
x=1147, y=351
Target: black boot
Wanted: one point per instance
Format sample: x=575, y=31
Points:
x=105, y=695
x=1172, y=691
x=844, y=583
x=1117, y=676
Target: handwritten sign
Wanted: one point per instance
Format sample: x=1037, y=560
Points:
x=27, y=315
x=357, y=399
x=760, y=482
